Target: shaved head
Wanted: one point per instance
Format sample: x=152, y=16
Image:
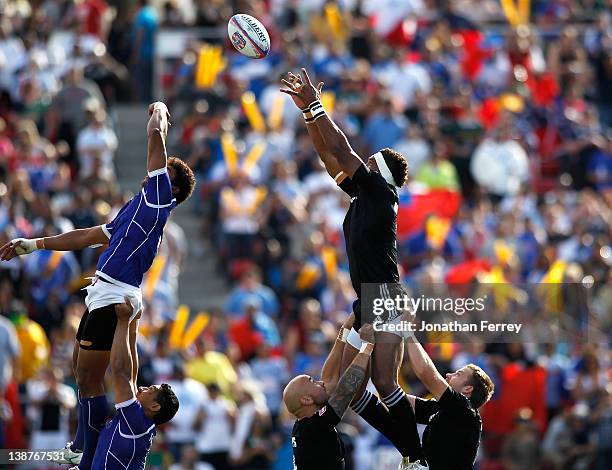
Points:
x=304, y=392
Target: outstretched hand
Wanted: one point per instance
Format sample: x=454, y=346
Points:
x=161, y=106
x=16, y=247
x=301, y=89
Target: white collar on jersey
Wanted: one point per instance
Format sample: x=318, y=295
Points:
x=384, y=169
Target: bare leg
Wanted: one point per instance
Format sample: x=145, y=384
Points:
x=90, y=370
x=401, y=428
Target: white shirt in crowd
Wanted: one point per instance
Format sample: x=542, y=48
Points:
x=215, y=435
x=191, y=395
x=38, y=391
x=96, y=142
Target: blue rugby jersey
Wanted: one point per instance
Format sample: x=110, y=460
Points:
x=136, y=232
x=125, y=440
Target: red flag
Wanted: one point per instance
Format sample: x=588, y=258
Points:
x=415, y=206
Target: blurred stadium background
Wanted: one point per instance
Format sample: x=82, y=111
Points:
x=503, y=109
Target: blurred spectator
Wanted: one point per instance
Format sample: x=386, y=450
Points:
x=385, y=127
x=250, y=285
x=272, y=373
x=191, y=395
x=521, y=447
x=67, y=115
x=96, y=141
x=144, y=28
x=253, y=329
x=50, y=405
x=211, y=367
x=213, y=429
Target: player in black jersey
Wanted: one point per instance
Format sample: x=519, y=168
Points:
x=454, y=426
x=370, y=230
x=319, y=405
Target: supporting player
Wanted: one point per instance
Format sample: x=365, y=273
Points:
x=125, y=440
x=453, y=430
x=454, y=426
x=370, y=231
x=133, y=238
x=319, y=405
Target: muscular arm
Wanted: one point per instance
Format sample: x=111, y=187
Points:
x=76, y=239
x=331, y=368
x=121, y=361
x=349, y=383
x=157, y=131
x=133, y=334
x=338, y=145
x=69, y=241
x=330, y=162
x=425, y=370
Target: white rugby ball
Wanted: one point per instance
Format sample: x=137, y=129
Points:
x=248, y=36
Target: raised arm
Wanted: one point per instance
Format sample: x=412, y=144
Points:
x=331, y=368
x=330, y=162
x=69, y=241
x=133, y=334
x=157, y=131
x=425, y=370
x=121, y=362
x=334, y=140
x=351, y=380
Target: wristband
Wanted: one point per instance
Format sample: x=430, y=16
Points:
x=40, y=243
x=338, y=176
x=366, y=348
x=313, y=112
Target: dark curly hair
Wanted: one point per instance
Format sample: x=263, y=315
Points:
x=168, y=405
x=397, y=165
x=183, y=179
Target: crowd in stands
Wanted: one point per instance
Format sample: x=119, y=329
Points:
x=507, y=126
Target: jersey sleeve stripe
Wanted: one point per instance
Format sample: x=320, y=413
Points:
x=135, y=436
x=123, y=404
x=159, y=171
x=156, y=206
x=106, y=230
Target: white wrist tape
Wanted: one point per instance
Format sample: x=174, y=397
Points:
x=366, y=348
x=313, y=112
x=25, y=246
x=353, y=339
x=338, y=176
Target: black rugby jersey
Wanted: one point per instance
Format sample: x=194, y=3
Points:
x=316, y=443
x=370, y=228
x=452, y=435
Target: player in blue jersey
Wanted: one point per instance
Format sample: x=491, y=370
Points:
x=126, y=439
x=133, y=237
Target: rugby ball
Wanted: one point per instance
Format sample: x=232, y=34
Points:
x=248, y=36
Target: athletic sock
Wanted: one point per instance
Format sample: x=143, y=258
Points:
x=402, y=414
x=95, y=411
x=377, y=415
x=77, y=444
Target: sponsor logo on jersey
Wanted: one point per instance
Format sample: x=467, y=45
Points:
x=322, y=410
